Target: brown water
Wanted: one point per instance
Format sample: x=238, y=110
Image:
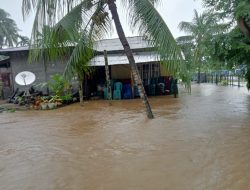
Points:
x=195, y=142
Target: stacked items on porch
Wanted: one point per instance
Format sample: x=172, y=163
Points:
x=127, y=91
x=156, y=86
x=117, y=93
x=161, y=87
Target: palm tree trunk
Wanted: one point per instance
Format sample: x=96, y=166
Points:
x=128, y=52
x=107, y=77
x=244, y=27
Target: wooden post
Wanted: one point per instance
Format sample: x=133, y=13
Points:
x=107, y=77
x=80, y=90
x=238, y=80
x=132, y=86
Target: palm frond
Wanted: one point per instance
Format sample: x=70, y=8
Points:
x=187, y=27
x=72, y=37
x=8, y=30
x=83, y=52
x=151, y=25
x=79, y=58
x=185, y=39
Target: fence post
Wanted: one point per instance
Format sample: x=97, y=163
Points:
x=238, y=80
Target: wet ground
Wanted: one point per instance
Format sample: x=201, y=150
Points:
x=196, y=142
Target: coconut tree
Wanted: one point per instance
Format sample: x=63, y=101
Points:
x=199, y=32
x=22, y=41
x=8, y=30
x=78, y=23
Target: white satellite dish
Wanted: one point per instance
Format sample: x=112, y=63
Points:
x=25, y=78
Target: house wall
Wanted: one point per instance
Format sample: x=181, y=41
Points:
x=163, y=71
x=124, y=71
x=19, y=63
x=120, y=72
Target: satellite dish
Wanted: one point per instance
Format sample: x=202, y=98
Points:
x=25, y=78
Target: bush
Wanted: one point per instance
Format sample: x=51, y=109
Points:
x=224, y=83
x=58, y=85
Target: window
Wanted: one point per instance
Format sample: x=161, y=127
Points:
x=149, y=70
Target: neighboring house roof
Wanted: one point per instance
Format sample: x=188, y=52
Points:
x=25, y=48
x=136, y=42
x=121, y=59
x=115, y=49
x=143, y=51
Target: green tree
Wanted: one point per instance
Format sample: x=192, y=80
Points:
x=236, y=10
x=195, y=44
x=22, y=41
x=8, y=30
x=84, y=21
x=237, y=41
x=9, y=36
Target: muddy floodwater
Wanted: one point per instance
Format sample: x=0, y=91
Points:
x=196, y=142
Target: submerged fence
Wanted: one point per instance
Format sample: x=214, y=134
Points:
x=225, y=79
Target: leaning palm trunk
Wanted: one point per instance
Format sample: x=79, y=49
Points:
x=128, y=52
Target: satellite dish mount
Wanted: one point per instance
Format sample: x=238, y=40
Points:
x=25, y=78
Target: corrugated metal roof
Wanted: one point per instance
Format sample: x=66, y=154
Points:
x=121, y=59
x=25, y=48
x=136, y=42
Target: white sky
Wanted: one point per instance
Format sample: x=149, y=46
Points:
x=173, y=12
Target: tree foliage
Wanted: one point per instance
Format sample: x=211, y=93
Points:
x=197, y=43
x=79, y=23
x=8, y=30
x=234, y=47
x=9, y=36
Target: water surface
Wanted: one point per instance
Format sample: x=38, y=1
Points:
x=198, y=141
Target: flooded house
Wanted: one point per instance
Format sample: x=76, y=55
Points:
x=150, y=69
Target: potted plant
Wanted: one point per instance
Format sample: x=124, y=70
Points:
x=44, y=103
x=54, y=102
x=51, y=104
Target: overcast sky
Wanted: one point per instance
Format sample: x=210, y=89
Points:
x=173, y=12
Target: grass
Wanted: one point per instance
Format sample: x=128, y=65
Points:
x=9, y=110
